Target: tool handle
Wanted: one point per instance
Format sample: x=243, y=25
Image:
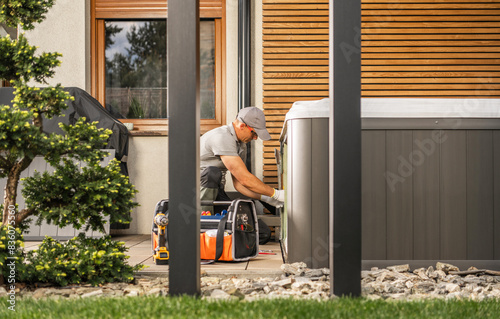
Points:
x=215, y=203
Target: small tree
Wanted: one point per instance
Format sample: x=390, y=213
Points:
x=70, y=195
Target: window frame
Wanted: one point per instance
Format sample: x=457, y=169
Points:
x=156, y=126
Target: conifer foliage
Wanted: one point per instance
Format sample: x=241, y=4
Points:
x=71, y=195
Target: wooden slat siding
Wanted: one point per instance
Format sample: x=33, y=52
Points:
x=421, y=32
x=410, y=48
x=427, y=1
x=122, y=9
x=424, y=48
x=295, y=64
x=431, y=18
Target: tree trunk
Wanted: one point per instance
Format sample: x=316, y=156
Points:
x=10, y=193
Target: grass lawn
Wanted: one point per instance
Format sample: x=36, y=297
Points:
x=188, y=307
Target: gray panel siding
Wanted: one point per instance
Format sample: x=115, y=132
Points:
x=48, y=229
x=299, y=182
x=496, y=192
x=373, y=196
x=37, y=232
x=426, y=223
x=453, y=201
x=479, y=195
x=439, y=198
x=37, y=165
x=399, y=196
x=308, y=192
x=320, y=192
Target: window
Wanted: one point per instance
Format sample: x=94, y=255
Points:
x=129, y=73
x=135, y=69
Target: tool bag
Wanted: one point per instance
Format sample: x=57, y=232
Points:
x=233, y=236
x=230, y=236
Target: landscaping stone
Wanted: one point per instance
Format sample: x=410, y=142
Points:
x=92, y=293
x=396, y=283
x=446, y=267
x=399, y=268
x=311, y=273
x=156, y=292
x=296, y=269
x=220, y=294
x=133, y=291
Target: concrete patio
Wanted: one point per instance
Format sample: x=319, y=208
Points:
x=268, y=262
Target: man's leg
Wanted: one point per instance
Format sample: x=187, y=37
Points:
x=210, y=183
x=223, y=197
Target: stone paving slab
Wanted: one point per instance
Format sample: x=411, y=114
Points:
x=139, y=250
x=265, y=263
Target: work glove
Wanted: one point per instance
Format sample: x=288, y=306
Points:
x=279, y=195
x=271, y=201
x=277, y=200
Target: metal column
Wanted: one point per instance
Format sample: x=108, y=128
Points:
x=183, y=57
x=243, y=54
x=244, y=50
x=345, y=147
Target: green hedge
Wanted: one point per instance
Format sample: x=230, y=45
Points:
x=80, y=260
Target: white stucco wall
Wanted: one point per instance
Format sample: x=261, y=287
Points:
x=67, y=30
x=255, y=69
x=257, y=85
x=231, y=60
x=148, y=171
x=231, y=68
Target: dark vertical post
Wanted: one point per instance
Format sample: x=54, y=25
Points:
x=243, y=53
x=244, y=64
x=345, y=147
x=183, y=58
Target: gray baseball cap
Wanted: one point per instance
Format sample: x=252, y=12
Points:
x=255, y=118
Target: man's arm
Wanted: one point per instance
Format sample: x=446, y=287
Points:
x=243, y=190
x=244, y=181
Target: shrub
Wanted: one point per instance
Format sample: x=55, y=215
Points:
x=80, y=260
x=81, y=197
x=24, y=12
x=11, y=254
x=22, y=137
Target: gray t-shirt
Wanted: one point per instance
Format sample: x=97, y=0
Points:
x=220, y=141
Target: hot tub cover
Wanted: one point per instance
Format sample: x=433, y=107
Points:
x=86, y=106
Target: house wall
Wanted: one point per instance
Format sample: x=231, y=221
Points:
x=410, y=49
x=148, y=155
x=426, y=66
x=429, y=49
x=430, y=115
x=66, y=30
x=295, y=64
